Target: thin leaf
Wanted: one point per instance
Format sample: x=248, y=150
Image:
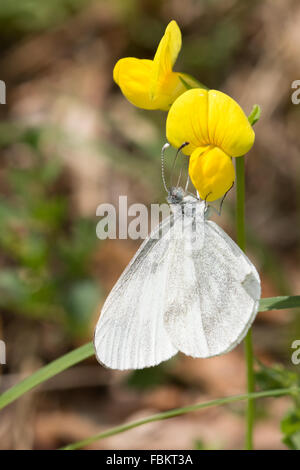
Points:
x=178, y=412
x=188, y=86
x=45, y=373
x=254, y=115
x=82, y=353
x=278, y=303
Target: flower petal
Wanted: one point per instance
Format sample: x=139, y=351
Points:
x=164, y=59
x=212, y=172
x=228, y=125
x=152, y=84
x=169, y=90
x=168, y=50
x=133, y=77
x=187, y=121
x=203, y=118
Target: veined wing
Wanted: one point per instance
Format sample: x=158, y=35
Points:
x=214, y=299
x=130, y=333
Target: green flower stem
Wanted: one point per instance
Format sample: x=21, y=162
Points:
x=240, y=202
x=181, y=411
x=250, y=416
x=241, y=239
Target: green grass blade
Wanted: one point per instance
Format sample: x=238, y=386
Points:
x=178, y=412
x=46, y=372
x=278, y=303
x=82, y=353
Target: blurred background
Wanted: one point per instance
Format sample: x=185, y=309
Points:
x=69, y=141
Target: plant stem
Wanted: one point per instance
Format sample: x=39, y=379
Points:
x=178, y=412
x=241, y=239
x=250, y=388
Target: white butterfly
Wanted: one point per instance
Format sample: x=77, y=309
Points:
x=192, y=289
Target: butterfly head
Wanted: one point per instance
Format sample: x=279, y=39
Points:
x=176, y=195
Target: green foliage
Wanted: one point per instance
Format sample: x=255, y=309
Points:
x=47, y=250
x=149, y=377
x=35, y=15
x=278, y=377
x=199, y=445
x=290, y=427
x=212, y=50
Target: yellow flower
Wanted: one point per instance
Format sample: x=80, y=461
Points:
x=152, y=84
x=216, y=129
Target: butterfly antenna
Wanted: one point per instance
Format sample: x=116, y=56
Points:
x=223, y=199
x=205, y=200
x=167, y=145
x=179, y=177
x=175, y=159
x=187, y=183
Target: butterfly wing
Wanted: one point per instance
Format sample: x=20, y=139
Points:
x=130, y=333
x=215, y=295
